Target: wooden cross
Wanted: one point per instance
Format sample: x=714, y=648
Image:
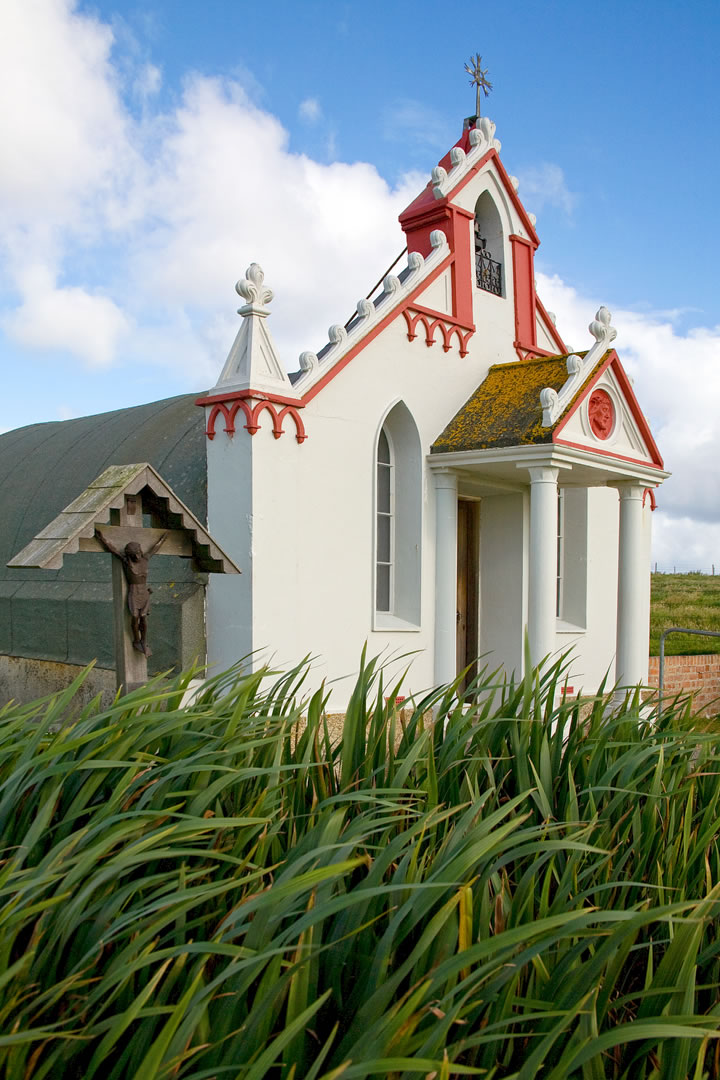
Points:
x=129, y=629
x=108, y=516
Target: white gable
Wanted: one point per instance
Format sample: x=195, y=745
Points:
x=624, y=439
x=545, y=339
x=438, y=294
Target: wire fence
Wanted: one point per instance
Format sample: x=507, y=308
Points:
x=710, y=571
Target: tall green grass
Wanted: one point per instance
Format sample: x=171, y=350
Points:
x=493, y=885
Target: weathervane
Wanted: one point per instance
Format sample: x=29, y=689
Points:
x=478, y=79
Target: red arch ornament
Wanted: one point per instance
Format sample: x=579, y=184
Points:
x=252, y=410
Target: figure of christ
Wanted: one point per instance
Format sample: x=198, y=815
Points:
x=135, y=564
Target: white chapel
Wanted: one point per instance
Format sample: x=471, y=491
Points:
x=441, y=478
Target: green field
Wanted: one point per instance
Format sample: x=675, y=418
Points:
x=691, y=600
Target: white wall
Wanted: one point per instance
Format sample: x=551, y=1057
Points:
x=229, y=596
x=593, y=649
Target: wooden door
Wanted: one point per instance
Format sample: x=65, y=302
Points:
x=467, y=586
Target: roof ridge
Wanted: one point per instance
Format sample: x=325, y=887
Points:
x=538, y=359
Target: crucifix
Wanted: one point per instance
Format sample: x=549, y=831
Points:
x=132, y=513
x=478, y=80
x=135, y=564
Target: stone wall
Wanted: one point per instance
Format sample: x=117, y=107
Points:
x=699, y=675
x=23, y=680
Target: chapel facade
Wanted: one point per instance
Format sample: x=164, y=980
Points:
x=444, y=474
x=442, y=478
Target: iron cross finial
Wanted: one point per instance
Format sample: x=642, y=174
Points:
x=478, y=79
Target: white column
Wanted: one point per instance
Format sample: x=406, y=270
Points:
x=632, y=620
x=542, y=585
x=445, y=575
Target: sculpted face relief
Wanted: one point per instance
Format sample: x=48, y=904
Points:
x=601, y=414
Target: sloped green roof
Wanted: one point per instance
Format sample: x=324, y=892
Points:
x=505, y=409
x=66, y=615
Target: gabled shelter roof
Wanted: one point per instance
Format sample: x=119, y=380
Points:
x=73, y=529
x=65, y=615
x=43, y=466
x=505, y=409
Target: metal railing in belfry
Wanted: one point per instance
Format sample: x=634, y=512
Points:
x=488, y=272
x=661, y=664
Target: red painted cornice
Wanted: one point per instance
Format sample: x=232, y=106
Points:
x=613, y=361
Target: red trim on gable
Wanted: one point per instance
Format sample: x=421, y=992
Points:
x=438, y=214
x=236, y=395
x=550, y=326
x=455, y=223
x=613, y=360
x=605, y=453
x=523, y=255
x=418, y=220
x=426, y=199
x=352, y=353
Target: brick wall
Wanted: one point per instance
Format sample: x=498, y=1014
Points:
x=699, y=675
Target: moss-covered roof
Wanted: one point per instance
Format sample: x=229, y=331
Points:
x=505, y=409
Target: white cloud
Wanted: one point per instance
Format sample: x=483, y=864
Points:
x=51, y=318
x=226, y=191
x=167, y=211
x=310, y=111
x=544, y=185
x=684, y=544
x=63, y=126
x=148, y=81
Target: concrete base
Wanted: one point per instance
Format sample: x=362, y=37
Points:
x=23, y=680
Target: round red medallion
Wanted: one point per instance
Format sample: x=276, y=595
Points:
x=601, y=414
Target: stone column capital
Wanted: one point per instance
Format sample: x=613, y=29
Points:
x=543, y=474
x=629, y=489
x=445, y=478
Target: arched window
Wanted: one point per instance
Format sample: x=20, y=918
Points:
x=384, y=538
x=398, y=522
x=488, y=246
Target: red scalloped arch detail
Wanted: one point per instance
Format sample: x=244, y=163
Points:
x=651, y=493
x=252, y=417
x=447, y=328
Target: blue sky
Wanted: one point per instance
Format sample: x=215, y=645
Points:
x=620, y=96
x=153, y=150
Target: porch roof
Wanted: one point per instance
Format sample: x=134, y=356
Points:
x=505, y=409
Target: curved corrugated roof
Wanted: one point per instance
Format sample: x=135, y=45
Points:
x=43, y=467
x=65, y=615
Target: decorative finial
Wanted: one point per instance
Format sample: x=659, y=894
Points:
x=600, y=327
x=478, y=79
x=254, y=291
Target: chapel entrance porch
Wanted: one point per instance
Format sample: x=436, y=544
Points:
x=514, y=493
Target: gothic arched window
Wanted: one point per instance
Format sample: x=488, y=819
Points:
x=398, y=521
x=384, y=523
x=488, y=246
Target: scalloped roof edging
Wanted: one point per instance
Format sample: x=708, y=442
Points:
x=554, y=402
x=369, y=313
